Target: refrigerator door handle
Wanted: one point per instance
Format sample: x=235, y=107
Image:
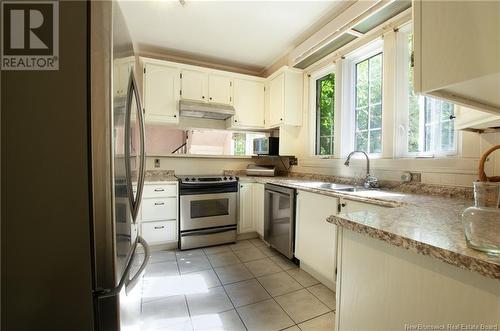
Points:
x=132, y=91
x=101, y=293
x=129, y=286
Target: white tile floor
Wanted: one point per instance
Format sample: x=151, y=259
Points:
x=245, y=286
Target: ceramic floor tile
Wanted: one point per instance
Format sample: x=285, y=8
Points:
x=293, y=328
x=279, y=283
x=241, y=244
x=264, y=316
x=301, y=305
x=208, y=277
x=257, y=242
x=162, y=256
x=324, y=322
x=302, y=277
x=166, y=314
x=246, y=292
x=324, y=294
x=233, y=273
x=283, y=263
x=217, y=249
x=223, y=259
x=225, y=321
x=193, y=263
x=161, y=269
x=213, y=301
x=190, y=253
x=268, y=251
x=249, y=254
x=262, y=267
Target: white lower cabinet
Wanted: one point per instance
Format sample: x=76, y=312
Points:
x=384, y=287
x=159, y=212
x=159, y=232
x=258, y=208
x=245, y=221
x=315, y=238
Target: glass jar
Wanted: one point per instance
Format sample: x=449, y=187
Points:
x=482, y=222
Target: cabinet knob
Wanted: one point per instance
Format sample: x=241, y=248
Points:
x=175, y=115
x=281, y=119
x=210, y=98
x=203, y=97
x=236, y=120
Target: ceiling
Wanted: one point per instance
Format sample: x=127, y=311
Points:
x=250, y=35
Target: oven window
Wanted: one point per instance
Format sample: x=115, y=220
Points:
x=209, y=208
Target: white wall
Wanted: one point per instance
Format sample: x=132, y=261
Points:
x=186, y=165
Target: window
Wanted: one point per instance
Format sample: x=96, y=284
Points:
x=428, y=121
x=368, y=104
x=325, y=112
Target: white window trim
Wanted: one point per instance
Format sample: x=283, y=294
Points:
x=328, y=69
x=348, y=95
x=402, y=123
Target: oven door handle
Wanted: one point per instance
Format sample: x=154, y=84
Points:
x=210, y=231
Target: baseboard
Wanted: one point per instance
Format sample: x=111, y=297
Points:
x=247, y=235
x=324, y=280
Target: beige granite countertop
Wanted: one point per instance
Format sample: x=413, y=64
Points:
x=425, y=219
x=426, y=224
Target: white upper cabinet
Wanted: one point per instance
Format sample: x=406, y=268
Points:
x=161, y=93
x=194, y=85
x=285, y=97
x=248, y=104
x=220, y=89
x=474, y=120
x=121, y=75
x=457, y=51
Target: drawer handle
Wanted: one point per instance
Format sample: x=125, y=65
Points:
x=159, y=190
x=159, y=227
x=159, y=203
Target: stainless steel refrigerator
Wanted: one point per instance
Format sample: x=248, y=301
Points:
x=72, y=165
x=117, y=134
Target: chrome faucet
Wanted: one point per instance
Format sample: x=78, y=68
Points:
x=370, y=181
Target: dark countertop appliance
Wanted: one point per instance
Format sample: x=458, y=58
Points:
x=266, y=146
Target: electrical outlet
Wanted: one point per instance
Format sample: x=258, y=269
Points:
x=416, y=177
x=157, y=163
x=293, y=160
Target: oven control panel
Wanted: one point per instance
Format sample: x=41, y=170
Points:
x=208, y=179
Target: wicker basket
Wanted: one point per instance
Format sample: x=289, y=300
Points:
x=487, y=189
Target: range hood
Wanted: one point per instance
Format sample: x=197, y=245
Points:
x=205, y=110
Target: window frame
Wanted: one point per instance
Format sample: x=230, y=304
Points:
x=402, y=110
x=349, y=95
x=313, y=116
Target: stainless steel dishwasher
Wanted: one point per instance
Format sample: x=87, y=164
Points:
x=279, y=218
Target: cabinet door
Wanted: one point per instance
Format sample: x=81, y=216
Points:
x=161, y=93
x=220, y=89
x=248, y=103
x=276, y=100
x=194, y=85
x=315, y=238
x=258, y=208
x=245, y=223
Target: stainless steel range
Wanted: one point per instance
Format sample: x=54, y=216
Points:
x=208, y=214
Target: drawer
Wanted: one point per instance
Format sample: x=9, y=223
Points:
x=157, y=232
x=159, y=209
x=159, y=190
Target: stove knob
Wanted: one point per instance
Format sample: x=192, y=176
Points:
x=186, y=179
x=230, y=178
x=225, y=178
x=193, y=179
x=237, y=178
